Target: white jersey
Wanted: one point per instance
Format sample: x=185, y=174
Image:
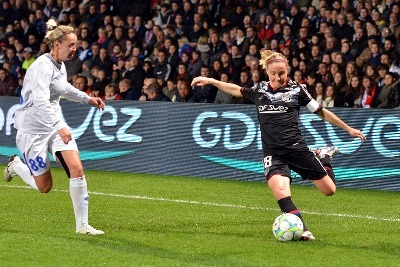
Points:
x=44, y=84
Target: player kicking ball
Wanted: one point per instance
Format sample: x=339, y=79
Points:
x=278, y=103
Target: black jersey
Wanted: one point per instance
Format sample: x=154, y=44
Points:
x=278, y=113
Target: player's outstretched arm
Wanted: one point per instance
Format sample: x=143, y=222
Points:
x=335, y=120
x=229, y=88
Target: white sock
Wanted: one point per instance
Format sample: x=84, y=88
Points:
x=22, y=170
x=80, y=200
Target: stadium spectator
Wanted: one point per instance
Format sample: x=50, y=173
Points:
x=84, y=52
x=117, y=38
x=181, y=29
x=388, y=96
x=369, y=91
x=8, y=83
x=203, y=47
x=173, y=58
x=40, y=23
x=111, y=92
x=162, y=67
x=323, y=73
x=164, y=15
x=117, y=54
x=206, y=93
x=12, y=59
x=7, y=13
x=184, y=93
x=217, y=46
x=150, y=36
x=375, y=56
x=251, y=38
x=371, y=72
x=216, y=69
x=183, y=73
x=154, y=92
x=280, y=155
x=319, y=92
x=223, y=97
x=170, y=89
x=339, y=82
x=81, y=83
x=329, y=97
x=104, y=62
x=387, y=60
x=194, y=67
x=135, y=74
x=86, y=68
x=139, y=27
x=27, y=30
x=353, y=95
x=345, y=49
x=126, y=91
x=351, y=70
x=73, y=66
x=28, y=58
x=366, y=53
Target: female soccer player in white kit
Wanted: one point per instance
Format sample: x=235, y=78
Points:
x=41, y=127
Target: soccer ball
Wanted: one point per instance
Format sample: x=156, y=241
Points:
x=287, y=227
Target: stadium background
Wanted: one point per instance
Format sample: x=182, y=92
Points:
x=215, y=141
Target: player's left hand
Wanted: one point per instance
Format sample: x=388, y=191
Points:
x=200, y=81
x=357, y=133
x=98, y=102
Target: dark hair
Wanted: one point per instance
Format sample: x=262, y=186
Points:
x=394, y=75
x=154, y=87
x=83, y=77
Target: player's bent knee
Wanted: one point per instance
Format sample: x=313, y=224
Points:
x=330, y=192
x=45, y=189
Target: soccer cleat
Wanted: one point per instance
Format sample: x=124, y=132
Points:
x=9, y=172
x=307, y=236
x=327, y=151
x=86, y=229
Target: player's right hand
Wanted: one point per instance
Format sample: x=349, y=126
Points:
x=65, y=135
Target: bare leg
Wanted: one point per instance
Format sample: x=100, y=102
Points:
x=325, y=185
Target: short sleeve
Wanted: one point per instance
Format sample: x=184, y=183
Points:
x=307, y=100
x=249, y=93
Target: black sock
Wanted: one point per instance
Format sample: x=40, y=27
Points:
x=287, y=206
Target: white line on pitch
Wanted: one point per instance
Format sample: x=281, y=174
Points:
x=221, y=204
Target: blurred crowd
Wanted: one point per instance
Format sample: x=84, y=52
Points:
x=346, y=52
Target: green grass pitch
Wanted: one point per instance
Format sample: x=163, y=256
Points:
x=153, y=220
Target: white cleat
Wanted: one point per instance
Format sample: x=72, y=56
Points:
x=307, y=236
x=86, y=229
x=327, y=151
x=9, y=172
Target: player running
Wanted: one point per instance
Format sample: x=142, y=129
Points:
x=41, y=127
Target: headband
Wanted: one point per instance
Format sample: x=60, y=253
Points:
x=276, y=59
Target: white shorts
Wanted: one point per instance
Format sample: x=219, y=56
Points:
x=35, y=149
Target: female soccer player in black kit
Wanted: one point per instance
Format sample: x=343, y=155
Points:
x=278, y=104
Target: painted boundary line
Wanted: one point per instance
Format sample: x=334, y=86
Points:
x=193, y=202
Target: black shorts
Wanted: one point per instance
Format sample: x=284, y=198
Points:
x=303, y=162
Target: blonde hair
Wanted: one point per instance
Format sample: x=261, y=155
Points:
x=184, y=40
x=202, y=40
x=55, y=32
x=111, y=86
x=269, y=56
